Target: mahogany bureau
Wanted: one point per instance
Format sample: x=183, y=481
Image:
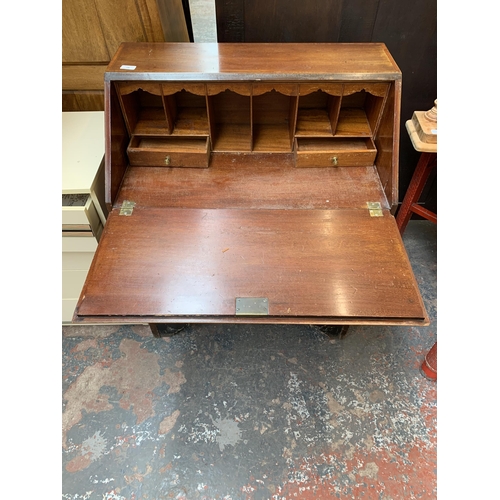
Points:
x=251, y=183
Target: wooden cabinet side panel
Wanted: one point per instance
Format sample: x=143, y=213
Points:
x=116, y=142
x=334, y=111
x=374, y=107
x=387, y=144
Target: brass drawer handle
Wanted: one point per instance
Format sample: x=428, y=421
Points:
x=167, y=160
x=334, y=160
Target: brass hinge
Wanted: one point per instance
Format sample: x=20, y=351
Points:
x=127, y=207
x=375, y=209
x=252, y=306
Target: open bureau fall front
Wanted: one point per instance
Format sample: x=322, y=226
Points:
x=251, y=183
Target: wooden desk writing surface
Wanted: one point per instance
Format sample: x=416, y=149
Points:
x=309, y=264
x=262, y=171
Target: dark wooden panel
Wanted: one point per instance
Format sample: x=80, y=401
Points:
x=327, y=263
x=285, y=21
x=278, y=21
x=70, y=102
x=357, y=20
x=230, y=17
x=83, y=101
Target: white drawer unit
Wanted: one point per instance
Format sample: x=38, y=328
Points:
x=83, y=208
x=76, y=260
x=79, y=213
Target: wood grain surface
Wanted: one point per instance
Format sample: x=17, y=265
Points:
x=253, y=224
x=252, y=61
x=192, y=262
x=253, y=181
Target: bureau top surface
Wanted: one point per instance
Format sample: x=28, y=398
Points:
x=252, y=61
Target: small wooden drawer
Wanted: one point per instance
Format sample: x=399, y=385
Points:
x=334, y=152
x=169, y=152
x=79, y=210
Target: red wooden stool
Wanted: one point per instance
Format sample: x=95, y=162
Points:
x=429, y=366
x=422, y=129
x=426, y=164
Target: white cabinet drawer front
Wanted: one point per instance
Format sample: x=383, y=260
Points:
x=80, y=214
x=72, y=283
x=77, y=261
x=79, y=244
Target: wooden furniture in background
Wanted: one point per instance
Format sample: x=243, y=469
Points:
x=422, y=129
x=92, y=32
x=252, y=183
x=83, y=208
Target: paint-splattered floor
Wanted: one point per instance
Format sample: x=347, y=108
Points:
x=253, y=412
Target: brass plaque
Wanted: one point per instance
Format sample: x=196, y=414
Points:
x=252, y=306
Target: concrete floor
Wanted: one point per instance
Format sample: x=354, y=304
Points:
x=253, y=412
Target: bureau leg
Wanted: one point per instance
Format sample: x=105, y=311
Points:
x=334, y=331
x=154, y=330
x=166, y=330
